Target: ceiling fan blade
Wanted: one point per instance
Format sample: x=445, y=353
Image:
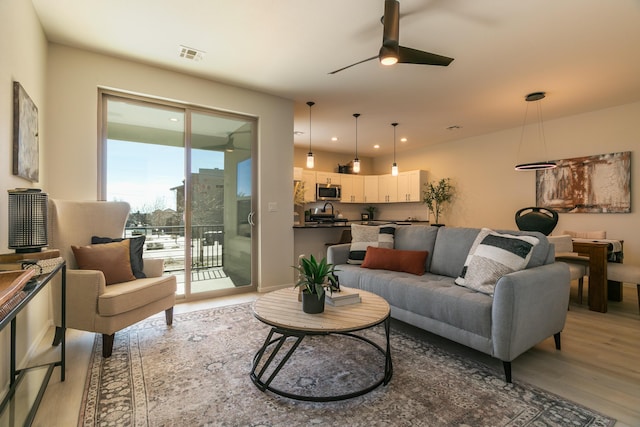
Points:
x=349, y=66
x=406, y=55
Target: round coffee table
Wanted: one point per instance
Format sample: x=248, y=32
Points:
x=283, y=312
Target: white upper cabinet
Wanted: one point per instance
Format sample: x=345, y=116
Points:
x=352, y=188
x=297, y=174
x=328, y=178
x=387, y=188
x=410, y=185
x=309, y=179
x=371, y=189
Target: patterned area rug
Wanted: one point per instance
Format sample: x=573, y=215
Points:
x=197, y=373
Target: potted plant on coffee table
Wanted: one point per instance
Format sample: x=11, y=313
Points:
x=315, y=278
x=436, y=195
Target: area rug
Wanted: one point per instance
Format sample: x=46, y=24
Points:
x=196, y=373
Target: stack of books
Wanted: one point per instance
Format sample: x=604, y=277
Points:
x=345, y=296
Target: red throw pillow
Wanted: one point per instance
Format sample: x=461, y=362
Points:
x=395, y=260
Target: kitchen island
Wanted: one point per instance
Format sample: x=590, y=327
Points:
x=312, y=237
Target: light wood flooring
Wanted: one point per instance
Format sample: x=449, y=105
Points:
x=598, y=367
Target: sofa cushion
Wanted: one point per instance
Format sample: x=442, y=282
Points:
x=395, y=260
x=363, y=236
x=123, y=297
x=136, y=247
x=492, y=256
x=432, y=296
x=416, y=238
x=451, y=249
x=110, y=258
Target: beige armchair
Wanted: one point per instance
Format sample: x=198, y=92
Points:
x=92, y=305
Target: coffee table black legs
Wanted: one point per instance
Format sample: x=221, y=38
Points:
x=277, y=338
x=257, y=379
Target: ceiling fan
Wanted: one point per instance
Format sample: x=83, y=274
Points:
x=391, y=52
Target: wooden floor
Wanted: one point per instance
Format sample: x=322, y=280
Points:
x=598, y=367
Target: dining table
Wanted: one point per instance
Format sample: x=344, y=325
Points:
x=599, y=252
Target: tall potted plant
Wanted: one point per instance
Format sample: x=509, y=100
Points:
x=315, y=278
x=436, y=195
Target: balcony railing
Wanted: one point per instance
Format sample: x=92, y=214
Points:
x=168, y=243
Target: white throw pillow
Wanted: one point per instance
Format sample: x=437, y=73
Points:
x=493, y=255
x=363, y=236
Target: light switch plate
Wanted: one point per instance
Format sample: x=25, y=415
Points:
x=272, y=206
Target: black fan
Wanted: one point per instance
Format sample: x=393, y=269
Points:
x=391, y=52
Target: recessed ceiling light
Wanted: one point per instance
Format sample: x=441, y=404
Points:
x=173, y=119
x=403, y=139
x=190, y=53
x=376, y=146
x=298, y=132
x=334, y=138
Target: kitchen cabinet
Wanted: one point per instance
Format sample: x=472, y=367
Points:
x=352, y=188
x=309, y=179
x=411, y=185
x=328, y=178
x=297, y=174
x=371, y=189
x=387, y=188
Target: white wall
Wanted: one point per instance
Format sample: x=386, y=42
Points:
x=73, y=78
x=23, y=50
x=489, y=191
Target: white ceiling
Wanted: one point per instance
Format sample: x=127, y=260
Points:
x=584, y=53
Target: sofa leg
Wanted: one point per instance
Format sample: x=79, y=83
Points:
x=107, y=344
x=57, y=337
x=556, y=338
x=507, y=371
x=168, y=314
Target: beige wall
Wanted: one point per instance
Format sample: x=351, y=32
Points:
x=489, y=191
x=73, y=78
x=23, y=50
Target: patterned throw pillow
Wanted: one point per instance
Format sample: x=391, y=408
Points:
x=493, y=255
x=363, y=236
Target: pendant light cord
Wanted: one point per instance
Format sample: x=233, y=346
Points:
x=310, y=104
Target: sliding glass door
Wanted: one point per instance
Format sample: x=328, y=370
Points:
x=187, y=174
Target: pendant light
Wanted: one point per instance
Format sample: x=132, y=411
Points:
x=310, y=159
x=356, y=161
x=535, y=96
x=394, y=167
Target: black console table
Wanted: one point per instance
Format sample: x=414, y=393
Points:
x=27, y=385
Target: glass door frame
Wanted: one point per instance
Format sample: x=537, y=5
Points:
x=104, y=95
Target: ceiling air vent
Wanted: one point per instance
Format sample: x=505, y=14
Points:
x=190, y=53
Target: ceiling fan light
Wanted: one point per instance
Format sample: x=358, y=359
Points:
x=388, y=55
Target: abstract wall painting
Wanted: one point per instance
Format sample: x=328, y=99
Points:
x=593, y=184
x=25, y=135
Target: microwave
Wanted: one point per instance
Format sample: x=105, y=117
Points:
x=328, y=192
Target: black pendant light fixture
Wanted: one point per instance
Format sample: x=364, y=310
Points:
x=535, y=96
x=394, y=167
x=310, y=159
x=356, y=161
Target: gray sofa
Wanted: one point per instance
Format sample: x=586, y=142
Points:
x=527, y=306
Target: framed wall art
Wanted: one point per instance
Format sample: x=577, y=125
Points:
x=25, y=135
x=593, y=184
